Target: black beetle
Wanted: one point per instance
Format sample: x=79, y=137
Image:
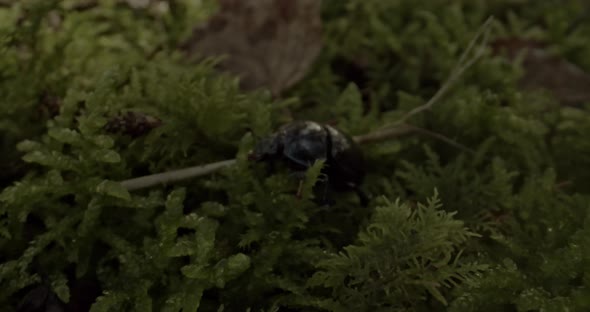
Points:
x=301, y=143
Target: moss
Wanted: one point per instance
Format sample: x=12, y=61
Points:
x=504, y=228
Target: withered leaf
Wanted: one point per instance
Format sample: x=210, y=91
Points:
x=134, y=124
x=49, y=104
x=545, y=71
x=267, y=43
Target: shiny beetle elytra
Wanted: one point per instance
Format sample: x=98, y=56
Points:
x=301, y=143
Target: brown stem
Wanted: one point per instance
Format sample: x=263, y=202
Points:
x=456, y=73
x=384, y=134
x=442, y=138
x=175, y=175
x=405, y=129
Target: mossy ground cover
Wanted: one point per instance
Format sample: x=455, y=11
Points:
x=505, y=228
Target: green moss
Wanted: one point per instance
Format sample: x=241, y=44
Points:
x=506, y=230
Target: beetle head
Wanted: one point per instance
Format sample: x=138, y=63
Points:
x=266, y=148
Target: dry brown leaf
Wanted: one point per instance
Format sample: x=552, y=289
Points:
x=545, y=71
x=50, y=105
x=134, y=124
x=267, y=43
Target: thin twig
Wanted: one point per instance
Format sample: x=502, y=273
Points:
x=400, y=126
x=442, y=138
x=384, y=134
x=457, y=71
x=175, y=175
x=405, y=129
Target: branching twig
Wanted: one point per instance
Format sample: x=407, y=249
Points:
x=405, y=129
x=394, y=130
x=384, y=134
x=193, y=172
x=457, y=71
x=442, y=138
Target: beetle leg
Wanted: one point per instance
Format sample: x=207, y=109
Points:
x=324, y=179
x=321, y=190
x=299, y=176
x=299, y=190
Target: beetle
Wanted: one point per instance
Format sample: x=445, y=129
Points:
x=302, y=142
